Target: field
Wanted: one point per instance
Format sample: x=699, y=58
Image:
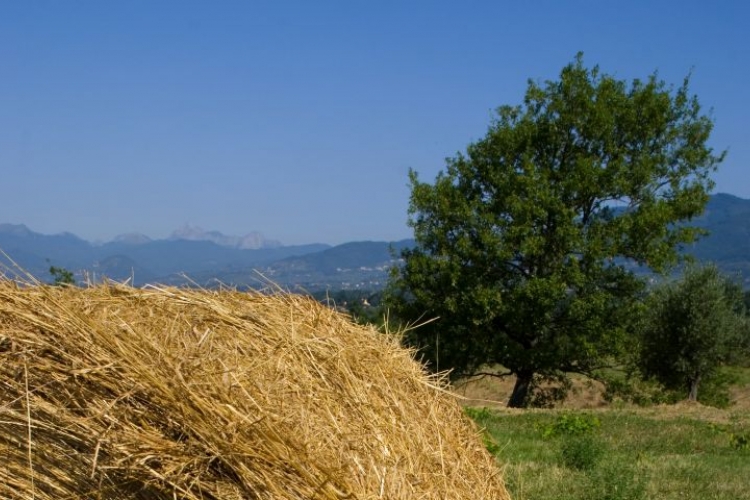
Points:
x=588, y=450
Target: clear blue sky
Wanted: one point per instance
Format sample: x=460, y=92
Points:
x=300, y=119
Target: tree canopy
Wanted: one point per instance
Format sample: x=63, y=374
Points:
x=526, y=243
x=692, y=327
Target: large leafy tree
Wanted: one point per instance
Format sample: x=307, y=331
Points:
x=525, y=244
x=693, y=326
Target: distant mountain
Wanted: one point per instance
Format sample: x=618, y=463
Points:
x=251, y=241
x=363, y=264
x=18, y=230
x=357, y=265
x=129, y=256
x=132, y=239
x=35, y=252
x=208, y=258
x=355, y=255
x=727, y=220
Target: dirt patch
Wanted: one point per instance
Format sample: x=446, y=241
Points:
x=494, y=392
x=740, y=397
x=691, y=410
x=588, y=394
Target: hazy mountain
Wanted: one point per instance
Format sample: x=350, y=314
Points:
x=35, y=252
x=130, y=256
x=250, y=241
x=363, y=264
x=18, y=230
x=727, y=219
x=355, y=255
x=132, y=239
x=209, y=257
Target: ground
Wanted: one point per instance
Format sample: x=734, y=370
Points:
x=493, y=392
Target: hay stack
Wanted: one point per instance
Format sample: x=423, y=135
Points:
x=112, y=392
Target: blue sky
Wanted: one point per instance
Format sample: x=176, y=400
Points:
x=301, y=119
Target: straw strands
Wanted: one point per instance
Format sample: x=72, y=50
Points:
x=111, y=392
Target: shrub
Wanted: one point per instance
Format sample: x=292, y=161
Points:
x=581, y=452
x=632, y=388
x=569, y=424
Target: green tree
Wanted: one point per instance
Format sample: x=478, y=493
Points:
x=692, y=328
x=62, y=276
x=525, y=244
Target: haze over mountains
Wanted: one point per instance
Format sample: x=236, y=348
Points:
x=251, y=241
x=189, y=232
x=191, y=255
x=208, y=258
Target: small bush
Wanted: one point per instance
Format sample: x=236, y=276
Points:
x=738, y=437
x=479, y=415
x=714, y=391
x=631, y=388
x=581, y=452
x=740, y=441
x=569, y=424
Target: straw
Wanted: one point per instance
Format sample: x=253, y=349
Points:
x=161, y=393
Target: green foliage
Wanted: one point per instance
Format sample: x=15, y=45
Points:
x=740, y=441
x=715, y=390
x=692, y=328
x=632, y=388
x=570, y=424
x=738, y=437
x=647, y=454
x=525, y=244
x=580, y=447
x=481, y=416
x=62, y=276
x=581, y=452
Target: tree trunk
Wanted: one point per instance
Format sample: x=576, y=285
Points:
x=521, y=391
x=693, y=388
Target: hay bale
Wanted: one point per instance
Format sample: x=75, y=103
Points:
x=161, y=393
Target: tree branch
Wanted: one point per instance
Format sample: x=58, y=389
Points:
x=481, y=375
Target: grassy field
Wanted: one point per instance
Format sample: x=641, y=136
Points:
x=587, y=450
x=679, y=452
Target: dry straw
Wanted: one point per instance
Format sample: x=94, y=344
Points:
x=111, y=392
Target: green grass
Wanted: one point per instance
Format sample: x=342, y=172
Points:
x=619, y=454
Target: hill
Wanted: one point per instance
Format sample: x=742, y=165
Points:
x=137, y=258
x=356, y=265
x=727, y=219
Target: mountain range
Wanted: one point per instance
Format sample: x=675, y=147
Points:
x=193, y=256
x=209, y=258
